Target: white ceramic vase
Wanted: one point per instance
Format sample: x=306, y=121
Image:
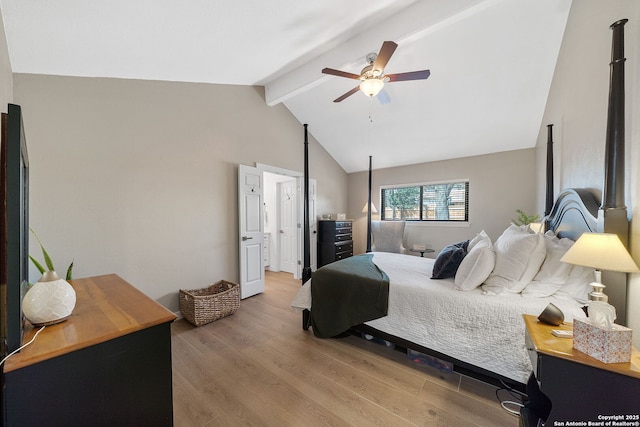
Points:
x=49, y=301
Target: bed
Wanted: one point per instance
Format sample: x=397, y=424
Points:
x=464, y=319
x=471, y=327
x=478, y=329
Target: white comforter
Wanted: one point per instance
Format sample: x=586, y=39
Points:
x=484, y=330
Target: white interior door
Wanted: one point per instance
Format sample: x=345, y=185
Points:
x=251, y=228
x=288, y=226
x=313, y=233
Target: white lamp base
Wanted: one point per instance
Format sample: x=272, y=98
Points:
x=597, y=293
x=48, y=303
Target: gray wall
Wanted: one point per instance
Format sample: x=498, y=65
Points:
x=6, y=76
x=498, y=185
x=577, y=106
x=139, y=178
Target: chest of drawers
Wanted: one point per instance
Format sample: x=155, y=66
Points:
x=335, y=241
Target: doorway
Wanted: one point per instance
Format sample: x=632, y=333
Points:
x=283, y=207
x=280, y=222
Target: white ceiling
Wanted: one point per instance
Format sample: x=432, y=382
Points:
x=491, y=62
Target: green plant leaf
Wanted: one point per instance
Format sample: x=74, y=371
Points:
x=70, y=272
x=47, y=258
x=37, y=264
x=524, y=219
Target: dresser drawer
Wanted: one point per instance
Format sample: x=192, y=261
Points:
x=343, y=237
x=344, y=247
x=343, y=255
x=344, y=250
x=344, y=230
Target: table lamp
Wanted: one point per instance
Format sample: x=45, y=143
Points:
x=536, y=227
x=602, y=251
x=365, y=208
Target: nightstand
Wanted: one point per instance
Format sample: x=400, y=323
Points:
x=581, y=389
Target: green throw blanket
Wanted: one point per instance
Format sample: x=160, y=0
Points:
x=346, y=293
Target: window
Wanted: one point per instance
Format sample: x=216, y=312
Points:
x=447, y=201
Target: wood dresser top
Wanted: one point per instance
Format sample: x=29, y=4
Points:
x=107, y=307
x=547, y=343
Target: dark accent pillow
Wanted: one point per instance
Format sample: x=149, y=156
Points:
x=449, y=260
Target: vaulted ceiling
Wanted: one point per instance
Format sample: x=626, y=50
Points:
x=491, y=62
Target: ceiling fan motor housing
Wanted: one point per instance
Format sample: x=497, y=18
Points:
x=371, y=77
x=369, y=72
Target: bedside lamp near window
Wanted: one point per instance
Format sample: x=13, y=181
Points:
x=365, y=208
x=602, y=251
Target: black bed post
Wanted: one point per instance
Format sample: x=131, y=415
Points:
x=612, y=215
x=613, y=191
x=306, y=267
x=369, y=211
x=549, y=178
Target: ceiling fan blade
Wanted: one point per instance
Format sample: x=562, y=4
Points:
x=348, y=94
x=412, y=75
x=340, y=73
x=384, y=55
x=383, y=97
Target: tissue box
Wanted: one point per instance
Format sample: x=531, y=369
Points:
x=606, y=345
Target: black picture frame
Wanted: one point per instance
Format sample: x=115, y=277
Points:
x=14, y=228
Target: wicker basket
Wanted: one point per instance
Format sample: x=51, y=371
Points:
x=202, y=306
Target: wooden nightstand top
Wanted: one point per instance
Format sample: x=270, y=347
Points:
x=547, y=343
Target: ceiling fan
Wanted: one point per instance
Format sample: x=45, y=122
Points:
x=372, y=76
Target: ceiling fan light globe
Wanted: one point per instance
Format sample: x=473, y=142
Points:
x=371, y=87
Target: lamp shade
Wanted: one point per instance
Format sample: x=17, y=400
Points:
x=536, y=227
x=365, y=208
x=371, y=86
x=603, y=251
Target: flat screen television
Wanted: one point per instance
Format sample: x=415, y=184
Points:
x=14, y=228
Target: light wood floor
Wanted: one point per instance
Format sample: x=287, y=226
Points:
x=258, y=367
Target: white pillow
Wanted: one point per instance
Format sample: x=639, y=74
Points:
x=480, y=237
x=475, y=266
x=555, y=275
x=578, y=284
x=540, y=289
x=552, y=270
x=519, y=255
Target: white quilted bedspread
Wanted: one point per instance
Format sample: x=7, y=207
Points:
x=484, y=330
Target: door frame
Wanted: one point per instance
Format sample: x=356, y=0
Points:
x=294, y=174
